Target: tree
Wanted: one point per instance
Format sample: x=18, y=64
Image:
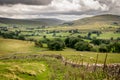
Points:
x=67, y=41
x=21, y=37
x=98, y=34
x=100, y=41
x=56, y=44
x=83, y=46
x=103, y=48
x=10, y=35
x=89, y=35
x=114, y=47
x=45, y=40
x=54, y=35
x=71, y=41
x=59, y=40
x=44, y=36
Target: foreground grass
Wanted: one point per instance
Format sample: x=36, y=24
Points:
x=18, y=70
x=31, y=67
x=28, y=69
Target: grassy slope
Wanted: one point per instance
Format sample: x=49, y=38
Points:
x=101, y=19
x=90, y=23
x=11, y=46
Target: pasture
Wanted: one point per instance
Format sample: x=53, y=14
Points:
x=10, y=46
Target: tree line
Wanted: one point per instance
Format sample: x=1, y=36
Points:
x=12, y=35
x=79, y=44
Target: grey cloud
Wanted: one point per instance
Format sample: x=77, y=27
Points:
x=28, y=2
x=46, y=8
x=114, y=6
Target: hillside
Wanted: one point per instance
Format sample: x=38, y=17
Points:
x=99, y=19
x=32, y=22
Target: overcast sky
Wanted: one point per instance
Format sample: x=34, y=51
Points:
x=61, y=9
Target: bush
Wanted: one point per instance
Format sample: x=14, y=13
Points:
x=9, y=35
x=38, y=44
x=21, y=37
x=100, y=41
x=114, y=47
x=103, y=48
x=56, y=44
x=71, y=41
x=83, y=46
x=67, y=41
x=45, y=40
x=89, y=35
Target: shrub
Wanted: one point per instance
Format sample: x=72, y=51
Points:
x=38, y=44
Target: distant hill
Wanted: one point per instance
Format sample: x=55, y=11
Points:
x=99, y=19
x=33, y=22
x=93, y=22
x=49, y=21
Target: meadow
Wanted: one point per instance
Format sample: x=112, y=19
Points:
x=10, y=46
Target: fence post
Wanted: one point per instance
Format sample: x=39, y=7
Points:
x=82, y=62
x=104, y=66
x=96, y=62
x=81, y=56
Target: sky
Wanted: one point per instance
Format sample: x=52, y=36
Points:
x=60, y=9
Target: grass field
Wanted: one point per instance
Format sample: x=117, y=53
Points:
x=108, y=35
x=12, y=46
x=77, y=56
x=17, y=46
